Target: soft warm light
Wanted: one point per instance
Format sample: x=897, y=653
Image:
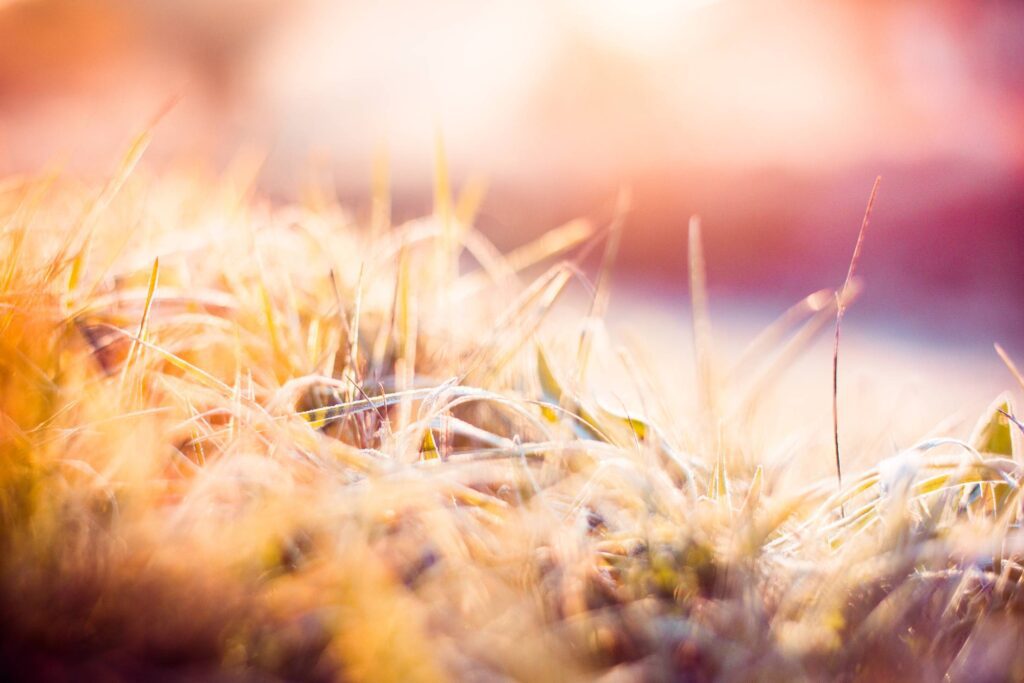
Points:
x=645, y=27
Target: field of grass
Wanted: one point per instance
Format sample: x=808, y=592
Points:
x=248, y=441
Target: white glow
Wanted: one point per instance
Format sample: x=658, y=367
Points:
x=638, y=26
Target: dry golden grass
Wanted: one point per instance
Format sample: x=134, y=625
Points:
x=244, y=441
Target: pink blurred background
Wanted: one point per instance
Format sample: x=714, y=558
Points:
x=769, y=118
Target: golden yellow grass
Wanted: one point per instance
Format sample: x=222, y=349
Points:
x=243, y=441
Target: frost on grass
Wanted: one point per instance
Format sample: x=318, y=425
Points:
x=250, y=441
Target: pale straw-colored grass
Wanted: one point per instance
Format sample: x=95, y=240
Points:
x=250, y=441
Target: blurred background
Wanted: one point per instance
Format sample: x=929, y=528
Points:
x=769, y=118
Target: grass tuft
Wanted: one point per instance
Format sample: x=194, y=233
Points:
x=361, y=453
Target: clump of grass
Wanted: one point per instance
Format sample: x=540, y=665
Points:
x=241, y=440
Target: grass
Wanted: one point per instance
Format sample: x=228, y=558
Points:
x=251, y=441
